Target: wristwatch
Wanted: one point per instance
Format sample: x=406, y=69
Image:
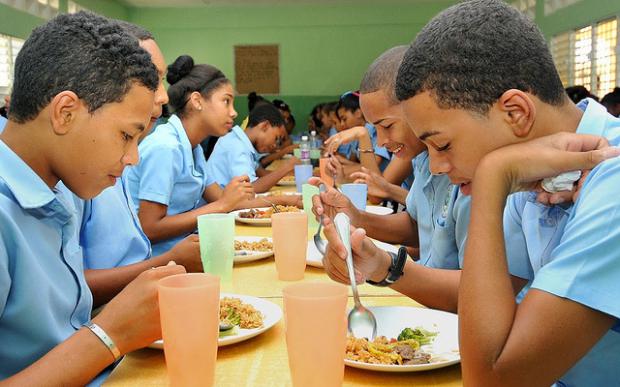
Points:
x=396, y=268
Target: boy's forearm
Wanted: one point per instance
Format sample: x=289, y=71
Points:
x=264, y=183
x=74, y=362
x=485, y=258
x=105, y=284
x=396, y=228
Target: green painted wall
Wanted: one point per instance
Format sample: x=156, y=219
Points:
x=324, y=49
x=110, y=8
x=575, y=16
x=17, y=23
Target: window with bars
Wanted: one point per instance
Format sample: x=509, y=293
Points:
x=45, y=9
x=9, y=47
x=526, y=6
x=605, y=49
x=588, y=56
x=73, y=7
x=561, y=52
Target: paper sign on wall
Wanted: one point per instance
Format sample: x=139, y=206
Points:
x=257, y=68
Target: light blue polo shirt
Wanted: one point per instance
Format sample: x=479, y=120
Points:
x=3, y=122
x=233, y=155
x=379, y=150
x=110, y=231
x=442, y=216
x=170, y=172
x=44, y=297
x=579, y=258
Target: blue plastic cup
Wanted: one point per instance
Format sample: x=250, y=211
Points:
x=357, y=194
x=302, y=173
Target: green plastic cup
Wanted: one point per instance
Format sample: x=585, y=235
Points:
x=217, y=244
x=308, y=191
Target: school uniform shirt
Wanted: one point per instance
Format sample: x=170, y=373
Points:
x=442, y=216
x=44, y=297
x=170, y=172
x=572, y=252
x=110, y=231
x=233, y=155
x=380, y=151
x=3, y=122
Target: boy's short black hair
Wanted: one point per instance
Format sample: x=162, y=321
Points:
x=85, y=53
x=265, y=112
x=471, y=53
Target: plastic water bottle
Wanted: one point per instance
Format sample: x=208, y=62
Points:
x=304, y=150
x=315, y=151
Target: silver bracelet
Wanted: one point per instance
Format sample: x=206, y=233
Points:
x=105, y=339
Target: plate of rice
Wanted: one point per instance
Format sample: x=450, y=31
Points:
x=254, y=316
x=408, y=339
x=252, y=248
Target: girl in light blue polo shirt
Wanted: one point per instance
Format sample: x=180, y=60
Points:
x=170, y=186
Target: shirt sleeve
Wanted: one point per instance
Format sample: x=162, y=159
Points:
x=159, y=168
x=242, y=163
x=5, y=276
x=585, y=266
x=514, y=237
x=460, y=213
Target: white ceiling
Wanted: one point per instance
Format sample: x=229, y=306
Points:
x=197, y=3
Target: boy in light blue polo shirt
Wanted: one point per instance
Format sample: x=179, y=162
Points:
x=501, y=125
x=239, y=152
x=2, y=123
x=80, y=133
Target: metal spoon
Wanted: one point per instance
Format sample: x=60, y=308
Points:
x=362, y=322
x=318, y=241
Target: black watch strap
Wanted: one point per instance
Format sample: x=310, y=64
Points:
x=396, y=268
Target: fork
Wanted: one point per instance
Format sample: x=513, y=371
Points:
x=275, y=208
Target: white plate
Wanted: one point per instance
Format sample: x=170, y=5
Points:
x=379, y=210
x=251, y=220
x=286, y=183
x=391, y=320
x=272, y=313
x=252, y=255
x=314, y=258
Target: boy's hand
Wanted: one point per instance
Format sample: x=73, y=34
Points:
x=370, y=262
x=335, y=169
x=377, y=185
x=187, y=254
x=526, y=164
x=237, y=190
x=332, y=202
x=131, y=319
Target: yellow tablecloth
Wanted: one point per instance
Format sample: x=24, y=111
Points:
x=262, y=361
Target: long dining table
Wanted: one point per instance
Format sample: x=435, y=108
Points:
x=262, y=360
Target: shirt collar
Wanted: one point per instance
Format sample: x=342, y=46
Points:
x=594, y=119
x=240, y=133
x=29, y=190
x=177, y=125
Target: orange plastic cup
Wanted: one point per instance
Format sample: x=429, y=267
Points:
x=290, y=241
x=316, y=333
x=325, y=176
x=189, y=306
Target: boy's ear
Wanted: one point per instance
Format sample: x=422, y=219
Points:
x=519, y=111
x=64, y=109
